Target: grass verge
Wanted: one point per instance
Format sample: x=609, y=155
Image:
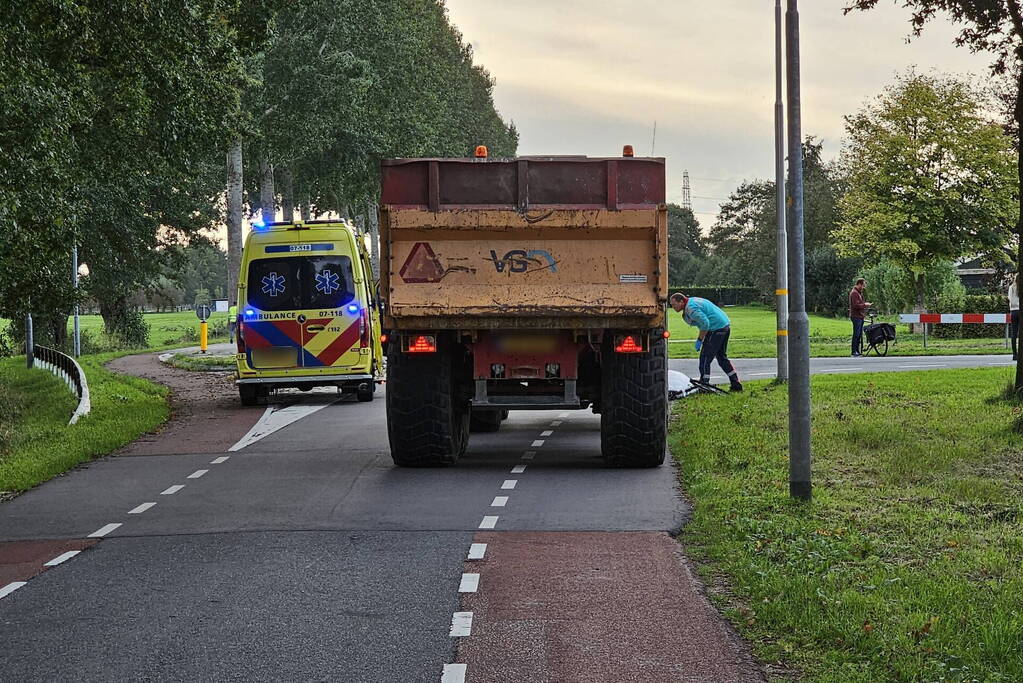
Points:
x=203, y=363
x=36, y=442
x=907, y=566
x=753, y=336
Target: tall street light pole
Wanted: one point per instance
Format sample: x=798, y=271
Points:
x=781, y=292
x=799, y=325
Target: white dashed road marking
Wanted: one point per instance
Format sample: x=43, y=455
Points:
x=217, y=461
x=547, y=432
x=104, y=530
x=499, y=502
x=470, y=583
x=562, y=414
x=63, y=557
x=172, y=490
x=197, y=474
x=10, y=588
x=509, y=484
x=537, y=443
x=453, y=673
x=518, y=469
x=477, y=551
x=556, y=423
x=461, y=624
x=529, y=455
x=140, y=509
x=489, y=522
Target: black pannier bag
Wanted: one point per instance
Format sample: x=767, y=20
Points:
x=879, y=332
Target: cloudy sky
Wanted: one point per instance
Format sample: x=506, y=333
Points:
x=587, y=76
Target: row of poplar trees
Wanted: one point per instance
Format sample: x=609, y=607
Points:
x=130, y=127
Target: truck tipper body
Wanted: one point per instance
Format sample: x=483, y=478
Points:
x=524, y=284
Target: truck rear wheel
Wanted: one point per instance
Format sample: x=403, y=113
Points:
x=426, y=425
x=634, y=406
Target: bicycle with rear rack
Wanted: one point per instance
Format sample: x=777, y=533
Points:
x=877, y=336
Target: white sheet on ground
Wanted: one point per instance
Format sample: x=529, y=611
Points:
x=679, y=385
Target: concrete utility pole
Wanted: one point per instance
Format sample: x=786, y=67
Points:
x=781, y=292
x=30, y=342
x=799, y=325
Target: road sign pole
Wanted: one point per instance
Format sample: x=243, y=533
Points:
x=30, y=344
x=203, y=335
x=74, y=283
x=782, y=262
x=799, y=325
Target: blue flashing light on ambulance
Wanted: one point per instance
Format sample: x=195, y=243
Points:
x=309, y=313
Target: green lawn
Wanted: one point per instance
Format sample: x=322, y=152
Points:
x=753, y=336
x=36, y=442
x=908, y=564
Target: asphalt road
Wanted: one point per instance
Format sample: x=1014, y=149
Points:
x=766, y=368
x=308, y=556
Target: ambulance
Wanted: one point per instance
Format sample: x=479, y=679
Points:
x=308, y=311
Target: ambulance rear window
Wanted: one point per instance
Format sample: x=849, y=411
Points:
x=300, y=282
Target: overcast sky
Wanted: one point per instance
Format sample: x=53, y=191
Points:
x=587, y=76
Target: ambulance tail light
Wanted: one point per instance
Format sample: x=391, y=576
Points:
x=239, y=331
x=628, y=343
x=364, y=329
x=420, y=343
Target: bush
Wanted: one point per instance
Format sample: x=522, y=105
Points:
x=829, y=277
x=130, y=329
x=971, y=303
x=890, y=288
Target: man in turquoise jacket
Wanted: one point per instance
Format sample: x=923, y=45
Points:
x=715, y=327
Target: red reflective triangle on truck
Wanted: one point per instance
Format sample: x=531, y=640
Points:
x=422, y=265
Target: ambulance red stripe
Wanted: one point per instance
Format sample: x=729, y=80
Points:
x=341, y=345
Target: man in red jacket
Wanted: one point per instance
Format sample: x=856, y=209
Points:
x=857, y=310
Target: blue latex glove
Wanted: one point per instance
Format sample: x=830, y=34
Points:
x=699, y=343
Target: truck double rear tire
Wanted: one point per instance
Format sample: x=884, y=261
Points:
x=426, y=425
x=634, y=406
x=486, y=420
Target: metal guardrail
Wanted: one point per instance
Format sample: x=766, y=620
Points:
x=68, y=369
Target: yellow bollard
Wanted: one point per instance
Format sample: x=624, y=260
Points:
x=203, y=335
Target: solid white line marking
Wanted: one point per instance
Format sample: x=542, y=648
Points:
x=453, y=673
x=759, y=374
x=925, y=365
x=104, y=530
x=499, y=501
x=470, y=583
x=546, y=433
x=477, y=551
x=518, y=469
x=461, y=624
x=140, y=509
x=489, y=522
x=562, y=414
x=10, y=588
x=63, y=557
x=509, y=484
x=556, y=423
x=839, y=369
x=217, y=461
x=537, y=443
x=276, y=418
x=197, y=474
x=172, y=490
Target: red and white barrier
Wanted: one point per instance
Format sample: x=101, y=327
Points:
x=976, y=318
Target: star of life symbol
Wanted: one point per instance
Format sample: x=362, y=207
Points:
x=327, y=282
x=273, y=284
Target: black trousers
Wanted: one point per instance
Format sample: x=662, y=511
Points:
x=715, y=347
x=1013, y=329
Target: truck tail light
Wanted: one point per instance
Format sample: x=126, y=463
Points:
x=627, y=151
x=422, y=343
x=364, y=329
x=481, y=152
x=628, y=344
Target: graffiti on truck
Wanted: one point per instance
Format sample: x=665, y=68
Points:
x=524, y=261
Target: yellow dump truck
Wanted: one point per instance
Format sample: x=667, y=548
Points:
x=524, y=284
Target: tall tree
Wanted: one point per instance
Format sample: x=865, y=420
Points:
x=996, y=27
x=930, y=178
